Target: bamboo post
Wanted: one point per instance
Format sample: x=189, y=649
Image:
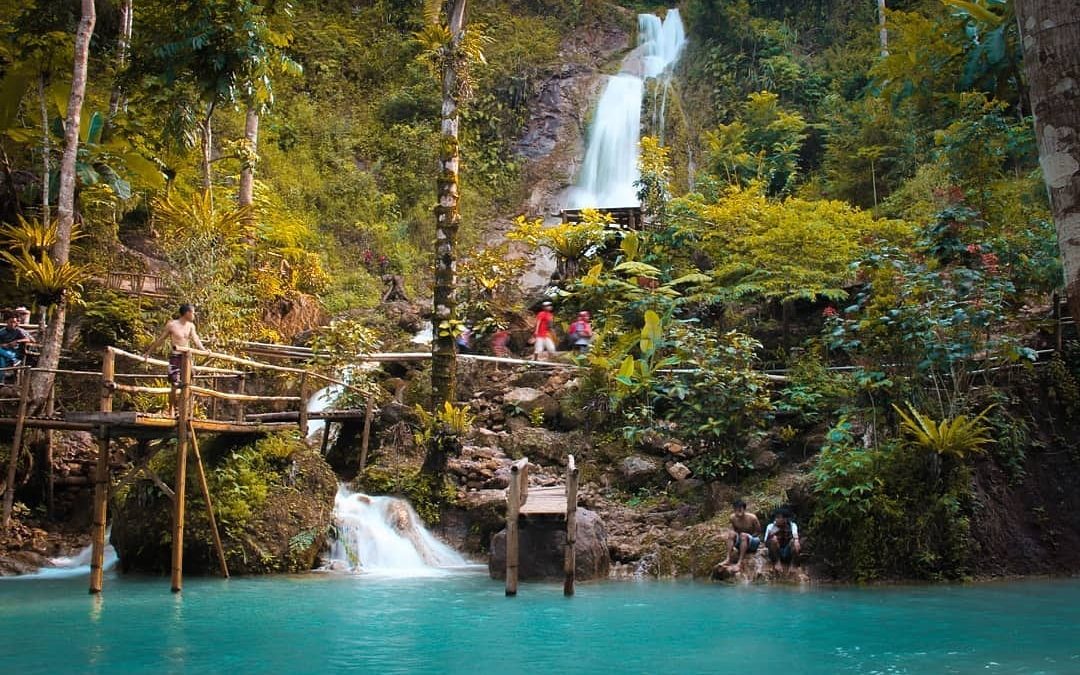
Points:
x=50, y=410
x=302, y=416
x=214, y=400
x=325, y=437
x=570, y=560
x=209, y=504
x=101, y=477
x=240, y=389
x=513, y=505
x=1058, y=332
x=182, y=428
x=16, y=446
x=366, y=437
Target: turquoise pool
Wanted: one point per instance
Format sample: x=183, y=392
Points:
x=462, y=623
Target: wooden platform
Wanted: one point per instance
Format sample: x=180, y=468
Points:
x=545, y=501
x=137, y=424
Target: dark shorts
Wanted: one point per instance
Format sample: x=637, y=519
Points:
x=751, y=546
x=174, y=368
x=784, y=553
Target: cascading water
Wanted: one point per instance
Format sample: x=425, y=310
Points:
x=383, y=535
x=75, y=566
x=610, y=168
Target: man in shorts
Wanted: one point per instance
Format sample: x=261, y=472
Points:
x=747, y=529
x=782, y=539
x=182, y=334
x=544, y=332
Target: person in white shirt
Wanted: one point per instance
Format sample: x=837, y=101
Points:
x=782, y=539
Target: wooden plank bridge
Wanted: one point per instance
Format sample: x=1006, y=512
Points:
x=151, y=430
x=559, y=501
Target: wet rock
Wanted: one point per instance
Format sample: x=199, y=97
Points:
x=543, y=446
x=638, y=470
x=542, y=544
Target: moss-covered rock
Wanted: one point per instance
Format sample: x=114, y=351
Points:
x=273, y=497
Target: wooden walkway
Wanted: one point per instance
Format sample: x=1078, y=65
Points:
x=559, y=501
x=223, y=413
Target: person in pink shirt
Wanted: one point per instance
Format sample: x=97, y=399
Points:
x=544, y=332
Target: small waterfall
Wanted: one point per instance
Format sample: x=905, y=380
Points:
x=610, y=168
x=74, y=566
x=383, y=535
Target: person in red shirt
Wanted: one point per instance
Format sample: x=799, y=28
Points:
x=581, y=332
x=544, y=332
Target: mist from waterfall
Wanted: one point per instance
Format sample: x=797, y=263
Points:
x=610, y=168
x=384, y=536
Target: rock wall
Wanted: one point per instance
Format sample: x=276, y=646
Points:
x=542, y=546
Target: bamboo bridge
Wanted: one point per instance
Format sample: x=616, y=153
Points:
x=145, y=428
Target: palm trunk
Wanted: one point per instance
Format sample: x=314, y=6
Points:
x=447, y=221
x=883, y=33
x=123, y=45
x=1051, y=37
x=207, y=152
x=247, y=172
x=65, y=205
x=46, y=149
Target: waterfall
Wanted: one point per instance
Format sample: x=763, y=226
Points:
x=610, y=168
x=75, y=566
x=383, y=535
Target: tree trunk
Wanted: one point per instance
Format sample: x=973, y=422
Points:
x=46, y=149
x=447, y=221
x=65, y=205
x=1051, y=38
x=123, y=46
x=207, y=152
x=247, y=172
x=883, y=33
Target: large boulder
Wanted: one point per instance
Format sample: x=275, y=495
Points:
x=528, y=399
x=542, y=549
x=273, y=498
x=639, y=471
x=543, y=446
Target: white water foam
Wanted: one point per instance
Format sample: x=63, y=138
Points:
x=77, y=565
x=384, y=536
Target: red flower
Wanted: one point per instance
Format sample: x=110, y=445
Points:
x=973, y=248
x=829, y=312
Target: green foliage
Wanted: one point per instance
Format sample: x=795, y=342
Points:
x=763, y=145
x=110, y=319
x=958, y=437
x=879, y=515
x=242, y=476
x=572, y=243
x=446, y=424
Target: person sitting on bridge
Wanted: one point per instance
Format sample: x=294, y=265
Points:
x=182, y=334
x=13, y=341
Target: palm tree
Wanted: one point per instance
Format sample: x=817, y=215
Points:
x=449, y=50
x=1051, y=35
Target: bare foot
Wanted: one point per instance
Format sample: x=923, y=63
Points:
x=778, y=568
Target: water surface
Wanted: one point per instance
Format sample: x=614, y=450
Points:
x=462, y=623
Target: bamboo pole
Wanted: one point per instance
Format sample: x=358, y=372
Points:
x=16, y=447
x=366, y=436
x=570, y=560
x=210, y=393
x=158, y=362
x=101, y=479
x=182, y=440
x=214, y=401
x=302, y=414
x=241, y=387
x=209, y=504
x=513, y=503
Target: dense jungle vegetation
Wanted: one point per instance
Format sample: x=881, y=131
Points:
x=868, y=218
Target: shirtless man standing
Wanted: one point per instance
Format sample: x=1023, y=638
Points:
x=181, y=332
x=747, y=528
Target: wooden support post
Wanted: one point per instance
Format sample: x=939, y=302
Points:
x=183, y=428
x=325, y=437
x=16, y=446
x=513, y=504
x=50, y=497
x=366, y=437
x=240, y=387
x=1058, y=332
x=570, y=560
x=302, y=415
x=209, y=504
x=101, y=477
x=214, y=400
